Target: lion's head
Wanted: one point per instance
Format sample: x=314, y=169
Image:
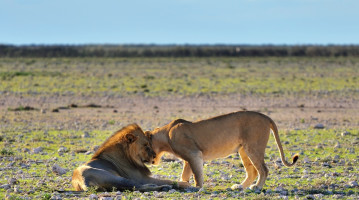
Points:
x=128, y=145
x=139, y=147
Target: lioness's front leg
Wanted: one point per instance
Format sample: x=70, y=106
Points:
x=187, y=172
x=196, y=164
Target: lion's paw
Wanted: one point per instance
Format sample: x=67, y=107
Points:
x=154, y=187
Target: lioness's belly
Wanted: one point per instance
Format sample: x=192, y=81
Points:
x=217, y=144
x=220, y=151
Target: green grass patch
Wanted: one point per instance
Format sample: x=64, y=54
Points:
x=181, y=76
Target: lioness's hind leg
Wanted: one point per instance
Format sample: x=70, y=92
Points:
x=187, y=172
x=257, y=159
x=251, y=172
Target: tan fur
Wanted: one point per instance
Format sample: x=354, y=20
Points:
x=244, y=132
x=119, y=164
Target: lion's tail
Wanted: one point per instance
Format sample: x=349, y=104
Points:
x=274, y=128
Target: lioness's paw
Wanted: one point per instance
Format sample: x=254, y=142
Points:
x=255, y=188
x=237, y=187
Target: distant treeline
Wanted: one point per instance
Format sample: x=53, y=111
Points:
x=175, y=50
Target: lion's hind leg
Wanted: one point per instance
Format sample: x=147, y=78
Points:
x=103, y=180
x=251, y=172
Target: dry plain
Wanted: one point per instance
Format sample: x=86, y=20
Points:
x=54, y=112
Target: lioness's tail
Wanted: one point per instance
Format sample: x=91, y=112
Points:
x=274, y=128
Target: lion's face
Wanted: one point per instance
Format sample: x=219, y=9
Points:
x=140, y=148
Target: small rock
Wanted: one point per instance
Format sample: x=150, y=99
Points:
x=26, y=150
x=319, y=196
x=202, y=190
x=278, y=189
x=13, y=181
x=284, y=193
x=106, y=198
x=353, y=184
x=172, y=191
x=337, y=145
x=309, y=196
x=37, y=150
x=157, y=194
x=88, y=153
x=95, y=148
x=62, y=149
x=319, y=126
x=5, y=186
x=192, y=189
x=17, y=189
x=43, y=111
x=345, y=133
x=55, y=197
x=335, y=174
x=325, y=164
x=93, y=197
x=85, y=135
x=58, y=170
x=337, y=196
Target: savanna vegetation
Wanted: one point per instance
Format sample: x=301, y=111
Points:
x=56, y=111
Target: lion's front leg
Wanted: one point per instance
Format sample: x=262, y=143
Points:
x=187, y=172
x=166, y=182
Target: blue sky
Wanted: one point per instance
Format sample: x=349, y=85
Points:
x=179, y=22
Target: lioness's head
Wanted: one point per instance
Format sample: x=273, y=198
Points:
x=155, y=141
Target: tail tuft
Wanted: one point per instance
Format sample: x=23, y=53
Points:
x=295, y=158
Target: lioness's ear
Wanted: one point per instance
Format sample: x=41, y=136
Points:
x=131, y=138
x=148, y=135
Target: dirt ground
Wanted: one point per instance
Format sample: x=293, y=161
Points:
x=149, y=112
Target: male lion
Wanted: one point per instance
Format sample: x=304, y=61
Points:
x=119, y=163
x=244, y=132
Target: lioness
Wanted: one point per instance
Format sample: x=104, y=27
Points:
x=119, y=163
x=244, y=132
